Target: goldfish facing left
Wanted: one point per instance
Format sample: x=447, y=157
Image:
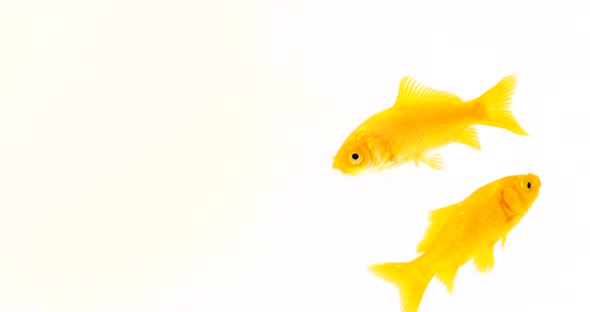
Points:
x=461, y=232
x=423, y=119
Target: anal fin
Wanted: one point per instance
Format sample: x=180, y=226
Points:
x=447, y=277
x=469, y=137
x=484, y=259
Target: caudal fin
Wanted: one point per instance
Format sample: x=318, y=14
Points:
x=495, y=104
x=410, y=280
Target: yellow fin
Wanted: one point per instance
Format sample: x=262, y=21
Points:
x=410, y=280
x=412, y=92
x=433, y=161
x=504, y=240
x=484, y=259
x=437, y=219
x=447, y=277
x=469, y=137
x=417, y=163
x=496, y=105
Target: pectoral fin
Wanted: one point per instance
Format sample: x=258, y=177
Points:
x=504, y=241
x=469, y=137
x=433, y=161
x=447, y=277
x=484, y=259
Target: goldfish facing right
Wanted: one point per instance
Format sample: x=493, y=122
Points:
x=460, y=232
x=421, y=120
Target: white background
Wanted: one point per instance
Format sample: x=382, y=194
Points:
x=177, y=155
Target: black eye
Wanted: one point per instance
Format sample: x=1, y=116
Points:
x=355, y=157
x=528, y=185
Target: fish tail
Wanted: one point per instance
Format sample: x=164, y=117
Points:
x=495, y=106
x=409, y=277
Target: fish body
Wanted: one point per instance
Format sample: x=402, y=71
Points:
x=421, y=120
x=461, y=232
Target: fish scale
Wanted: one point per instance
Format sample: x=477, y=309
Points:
x=461, y=232
x=421, y=120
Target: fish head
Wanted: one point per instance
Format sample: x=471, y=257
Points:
x=360, y=154
x=520, y=192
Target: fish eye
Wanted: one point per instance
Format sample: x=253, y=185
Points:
x=526, y=184
x=355, y=157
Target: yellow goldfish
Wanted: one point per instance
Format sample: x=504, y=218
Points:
x=423, y=119
x=460, y=232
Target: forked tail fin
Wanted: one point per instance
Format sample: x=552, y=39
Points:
x=495, y=105
x=410, y=280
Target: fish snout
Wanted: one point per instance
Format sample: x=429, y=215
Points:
x=535, y=178
x=337, y=165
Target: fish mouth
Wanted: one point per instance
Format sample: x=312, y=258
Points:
x=336, y=167
x=352, y=171
x=341, y=170
x=536, y=179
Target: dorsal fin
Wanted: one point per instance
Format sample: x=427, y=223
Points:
x=438, y=219
x=412, y=92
